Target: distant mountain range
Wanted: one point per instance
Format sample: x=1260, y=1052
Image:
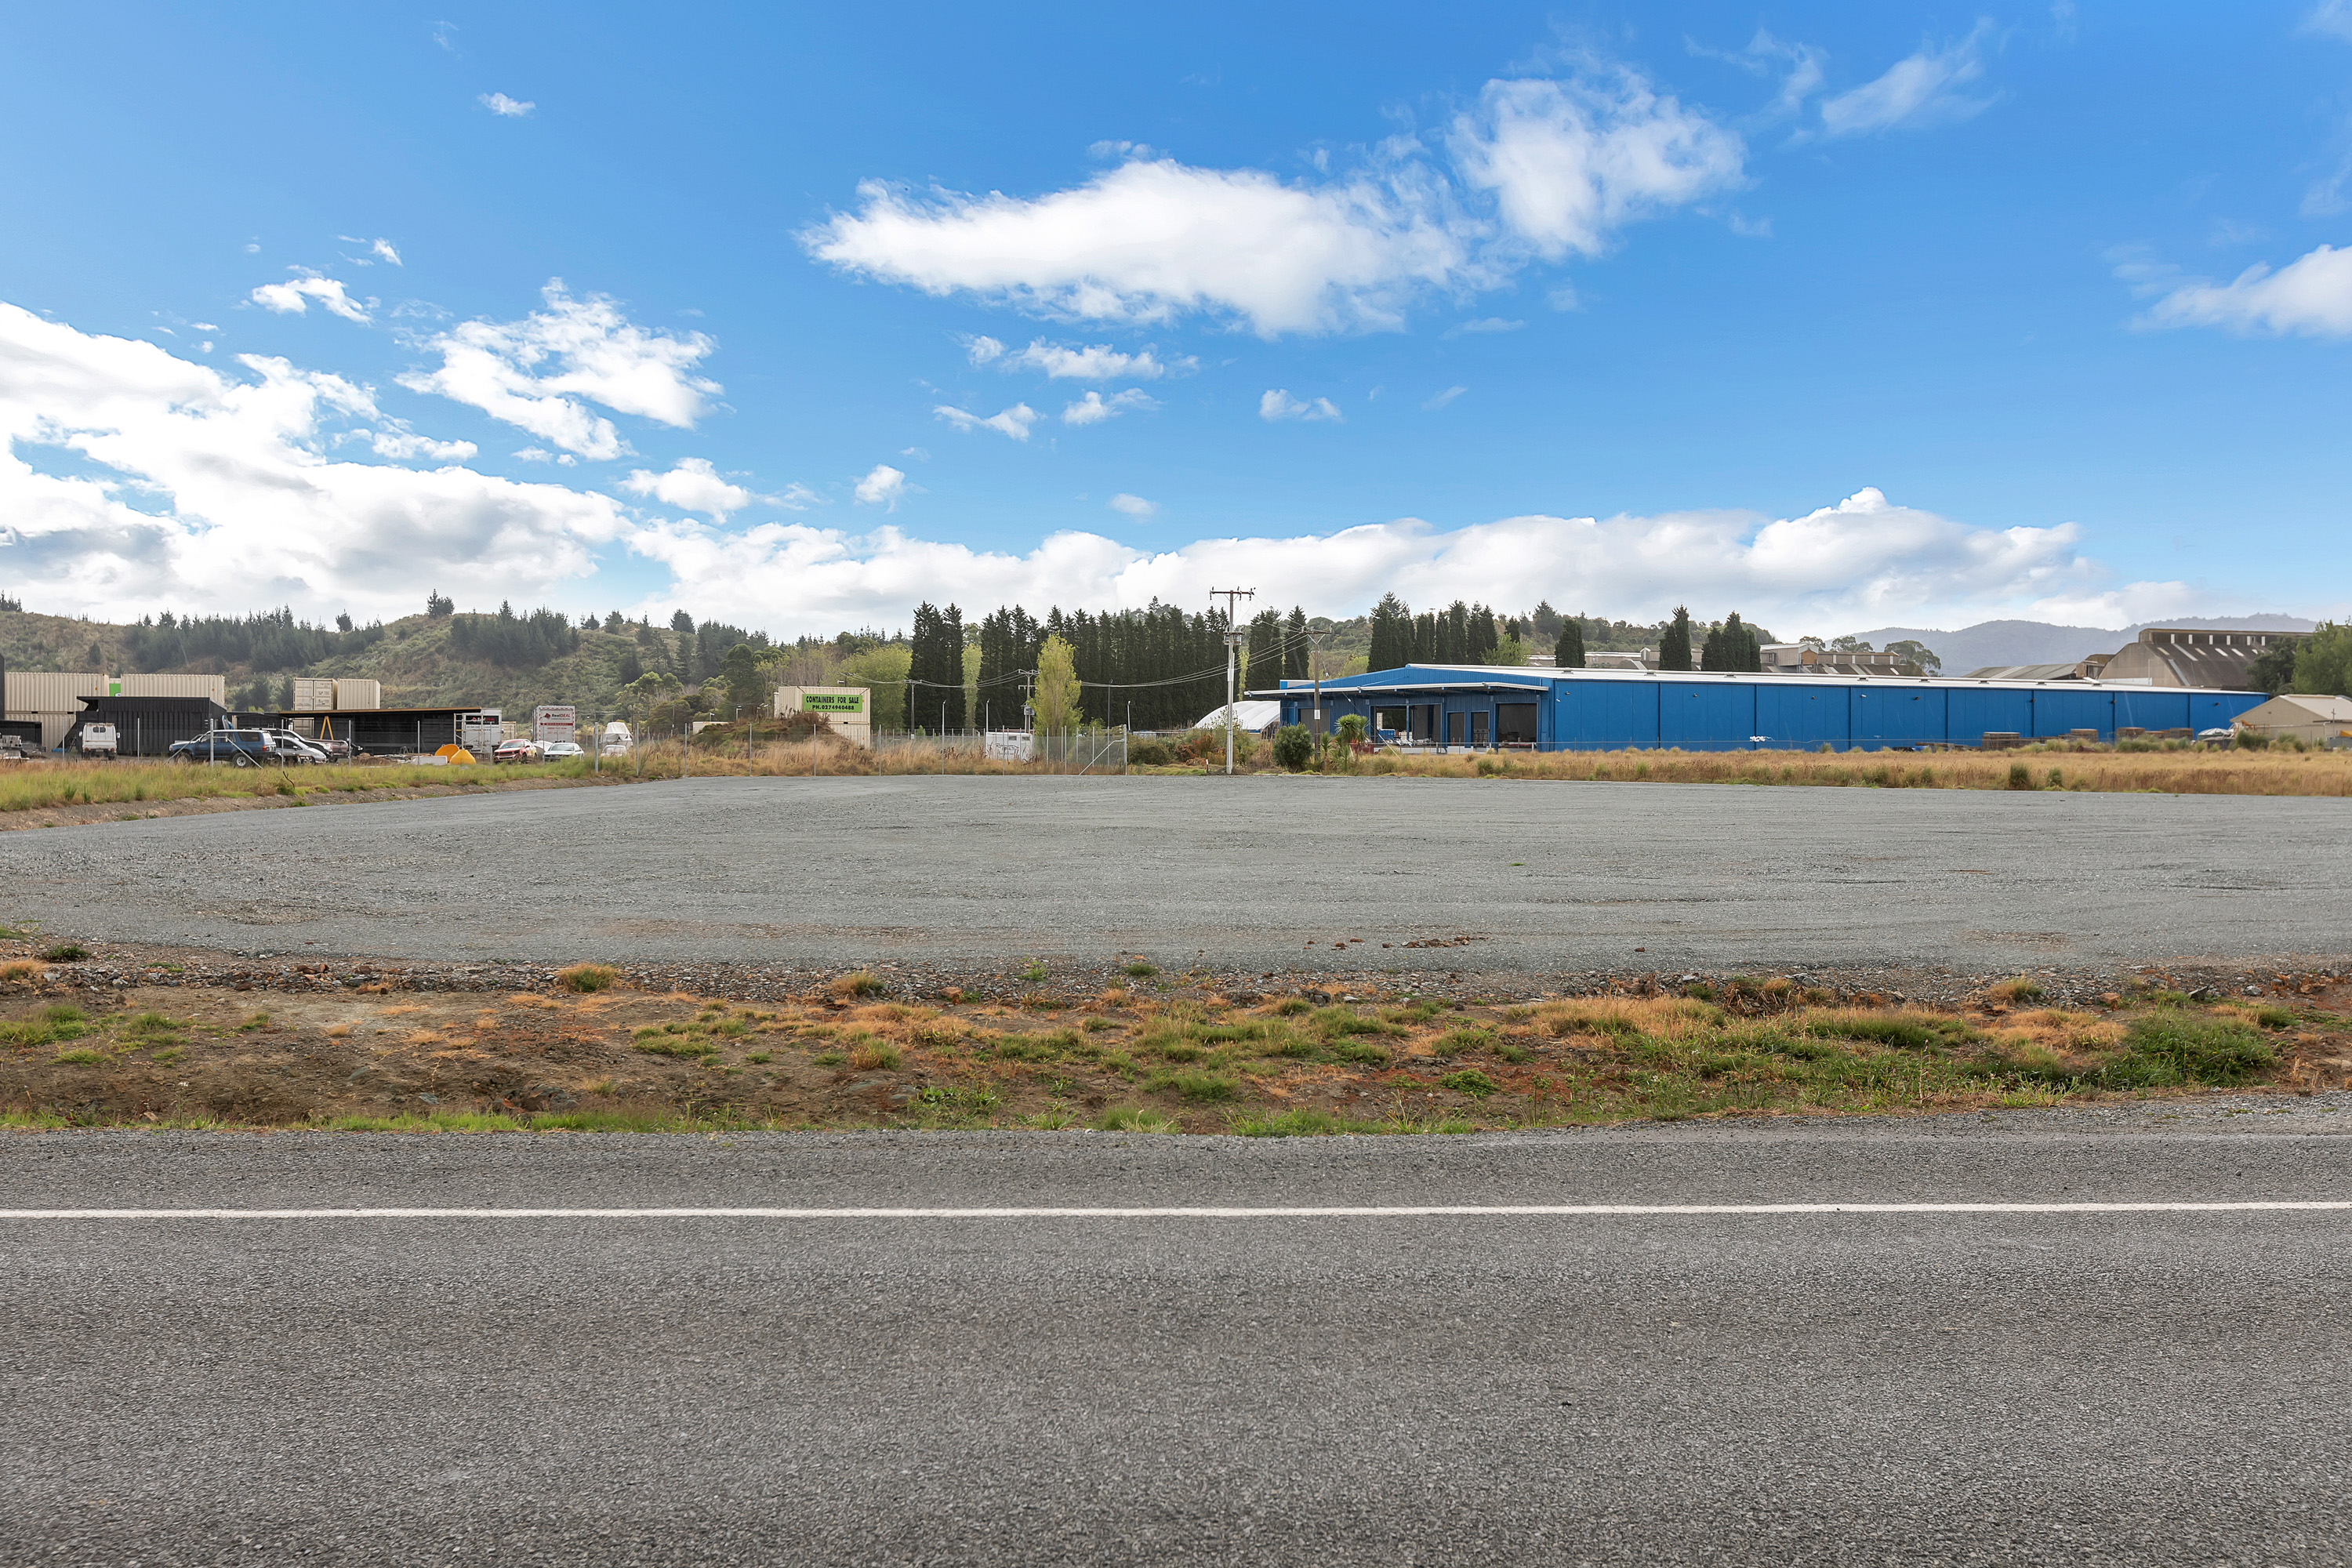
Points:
x=2039, y=642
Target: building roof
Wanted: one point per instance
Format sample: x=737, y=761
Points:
x=1247, y=715
x=1433, y=679
x=2295, y=708
x=2024, y=672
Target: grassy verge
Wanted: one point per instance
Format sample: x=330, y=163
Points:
x=1150, y=1060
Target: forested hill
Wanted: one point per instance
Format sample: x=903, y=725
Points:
x=501, y=659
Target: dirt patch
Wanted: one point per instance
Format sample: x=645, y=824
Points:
x=84, y=813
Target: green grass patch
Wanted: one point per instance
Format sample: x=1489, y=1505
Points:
x=665, y=1043
x=1139, y=969
x=1203, y=1086
x=1292, y=1006
x=80, y=1056
x=1470, y=1081
x=1909, y=1032
x=1362, y=1051
x=53, y=1025
x=65, y=953
x=2180, y=1047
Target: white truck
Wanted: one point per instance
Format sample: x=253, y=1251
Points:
x=99, y=740
x=615, y=740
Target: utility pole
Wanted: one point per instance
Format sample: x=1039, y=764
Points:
x=1231, y=597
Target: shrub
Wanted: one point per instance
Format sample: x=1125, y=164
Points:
x=2196, y=1049
x=2020, y=776
x=1140, y=969
x=1469, y=1081
x=1151, y=753
x=584, y=978
x=1294, y=747
x=65, y=953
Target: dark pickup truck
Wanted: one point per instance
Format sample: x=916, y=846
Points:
x=236, y=748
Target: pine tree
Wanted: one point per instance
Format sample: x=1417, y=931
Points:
x=1674, y=647
x=1391, y=634
x=1568, y=654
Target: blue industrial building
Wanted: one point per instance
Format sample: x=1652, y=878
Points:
x=1609, y=709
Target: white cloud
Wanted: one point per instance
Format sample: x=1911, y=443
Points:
x=498, y=103
x=694, y=485
x=382, y=248
x=1919, y=90
x=983, y=350
x=1119, y=150
x=1278, y=403
x=1570, y=162
x=2311, y=295
x=294, y=299
x=1485, y=324
x=1863, y=561
x=1444, y=397
x=1014, y=421
x=883, y=488
x=1151, y=240
x=407, y=445
x=599, y=355
x=132, y=481
x=1096, y=362
x=1093, y=407
x=534, y=454
x=1135, y=507
x=2330, y=19
x=1564, y=163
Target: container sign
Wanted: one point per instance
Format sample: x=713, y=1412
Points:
x=835, y=703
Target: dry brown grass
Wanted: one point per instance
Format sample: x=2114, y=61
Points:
x=2163, y=773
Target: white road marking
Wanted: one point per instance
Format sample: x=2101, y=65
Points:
x=1397, y=1211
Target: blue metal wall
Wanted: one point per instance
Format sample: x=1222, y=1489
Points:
x=1603, y=711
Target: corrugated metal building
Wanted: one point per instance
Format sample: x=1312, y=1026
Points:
x=1606, y=710
x=388, y=731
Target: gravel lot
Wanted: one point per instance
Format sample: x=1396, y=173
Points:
x=982, y=875
x=1819, y=1388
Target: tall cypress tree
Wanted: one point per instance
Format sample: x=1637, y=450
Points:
x=1675, y=645
x=1265, y=666
x=951, y=667
x=1391, y=634
x=1296, y=648
x=1569, y=653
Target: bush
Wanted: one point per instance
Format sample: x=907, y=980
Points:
x=1469, y=1081
x=65, y=953
x=1294, y=747
x=1151, y=753
x=2020, y=776
x=587, y=977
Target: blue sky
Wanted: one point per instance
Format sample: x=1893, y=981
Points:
x=1837, y=316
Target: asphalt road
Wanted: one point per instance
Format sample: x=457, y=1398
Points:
x=1814, y=1387
x=993, y=871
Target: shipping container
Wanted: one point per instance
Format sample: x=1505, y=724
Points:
x=313, y=694
x=32, y=692
x=212, y=687
x=359, y=694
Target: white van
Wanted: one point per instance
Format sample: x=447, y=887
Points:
x=99, y=740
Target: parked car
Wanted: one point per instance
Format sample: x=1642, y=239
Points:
x=98, y=739
x=238, y=748
x=516, y=751
x=559, y=750
x=295, y=749
x=338, y=751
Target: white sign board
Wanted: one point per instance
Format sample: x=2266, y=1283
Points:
x=554, y=722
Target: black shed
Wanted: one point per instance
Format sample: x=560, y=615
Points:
x=146, y=726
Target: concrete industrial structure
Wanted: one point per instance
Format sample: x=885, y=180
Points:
x=1593, y=709
x=2208, y=658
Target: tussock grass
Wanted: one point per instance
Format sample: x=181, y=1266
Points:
x=859, y=982
x=1137, y=1119
x=2023, y=988
x=585, y=979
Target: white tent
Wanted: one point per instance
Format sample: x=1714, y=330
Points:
x=1248, y=715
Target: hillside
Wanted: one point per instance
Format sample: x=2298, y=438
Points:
x=2040, y=642
x=416, y=658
